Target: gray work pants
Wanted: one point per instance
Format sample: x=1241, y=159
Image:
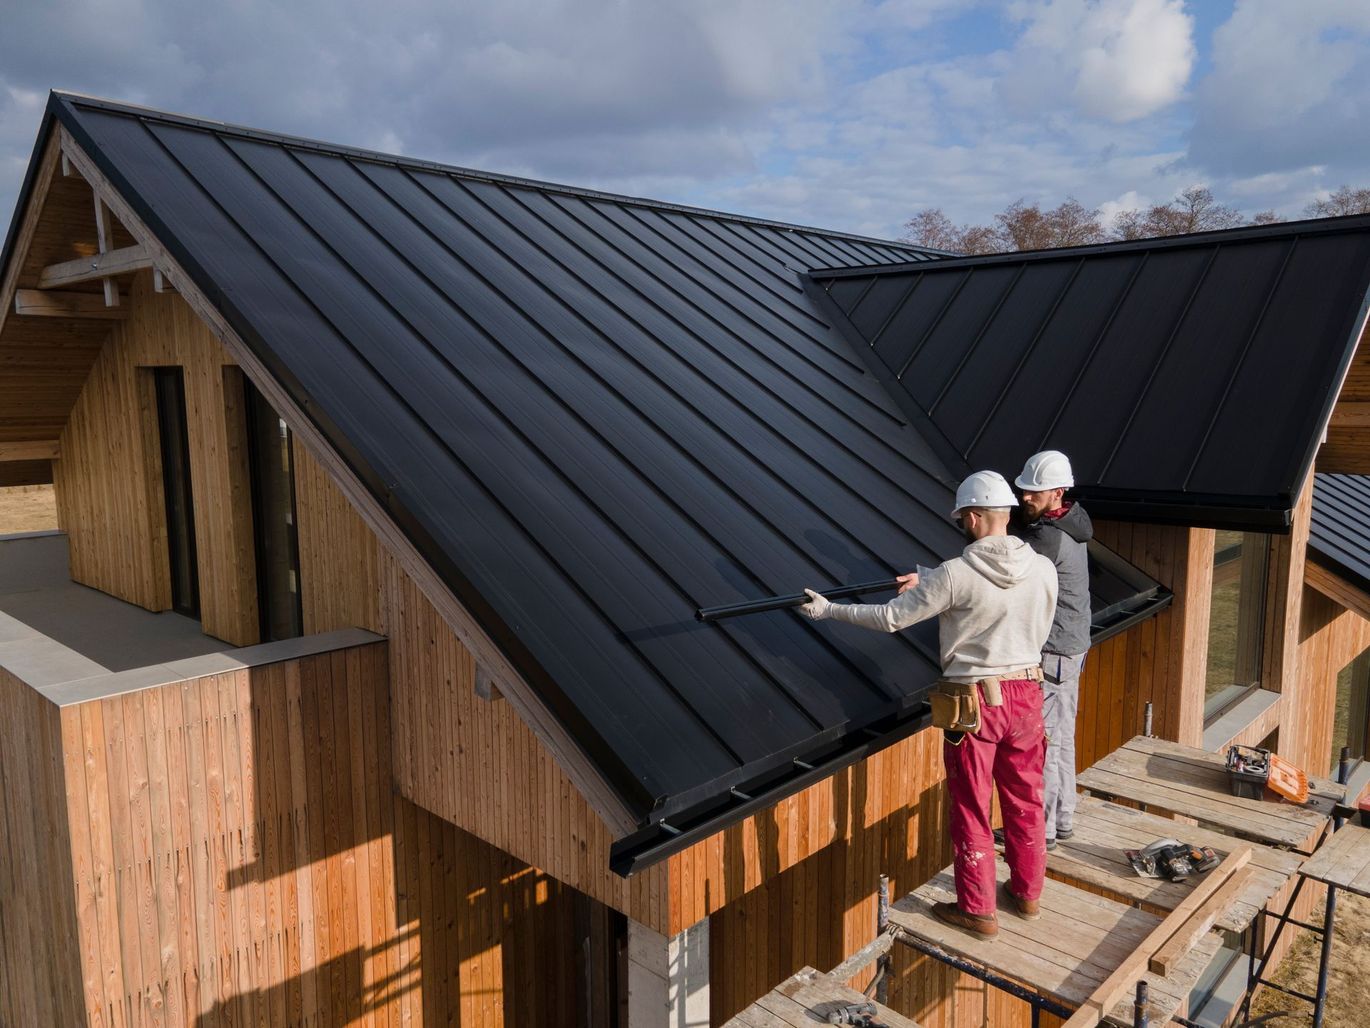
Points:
x=1060, y=698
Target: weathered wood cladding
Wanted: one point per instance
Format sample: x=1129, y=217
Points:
x=228, y=850
x=39, y=959
x=469, y=760
x=1347, y=449
x=109, y=485
x=1330, y=637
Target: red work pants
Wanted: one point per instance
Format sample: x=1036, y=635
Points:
x=1008, y=751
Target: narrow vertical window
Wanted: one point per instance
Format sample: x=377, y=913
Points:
x=1236, y=627
x=180, y=508
x=272, y=470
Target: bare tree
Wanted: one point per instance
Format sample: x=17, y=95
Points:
x=1193, y=210
x=932, y=228
x=1266, y=218
x=1343, y=200
x=1024, y=226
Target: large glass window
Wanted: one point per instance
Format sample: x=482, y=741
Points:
x=1236, y=626
x=1351, y=720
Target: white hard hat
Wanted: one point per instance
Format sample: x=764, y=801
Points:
x=1049, y=469
x=984, y=489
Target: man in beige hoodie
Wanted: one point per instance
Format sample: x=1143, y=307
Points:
x=995, y=604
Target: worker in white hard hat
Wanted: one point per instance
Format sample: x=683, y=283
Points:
x=994, y=603
x=1059, y=529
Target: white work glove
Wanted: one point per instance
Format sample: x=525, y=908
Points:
x=817, y=608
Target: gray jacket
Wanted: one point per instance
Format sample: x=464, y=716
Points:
x=1063, y=540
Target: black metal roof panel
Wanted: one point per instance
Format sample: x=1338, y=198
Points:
x=1339, y=532
x=1188, y=379
x=592, y=415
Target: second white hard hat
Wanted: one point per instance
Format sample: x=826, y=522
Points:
x=1049, y=469
x=984, y=489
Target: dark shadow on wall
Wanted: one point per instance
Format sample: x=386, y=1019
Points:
x=459, y=931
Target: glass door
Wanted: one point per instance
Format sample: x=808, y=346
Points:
x=273, y=516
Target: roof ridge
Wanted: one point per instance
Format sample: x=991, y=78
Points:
x=1212, y=237
x=399, y=160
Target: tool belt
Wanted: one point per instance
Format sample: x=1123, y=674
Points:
x=956, y=705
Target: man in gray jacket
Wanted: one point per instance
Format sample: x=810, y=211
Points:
x=994, y=603
x=1059, y=529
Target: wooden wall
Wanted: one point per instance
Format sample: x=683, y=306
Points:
x=237, y=856
x=1330, y=637
x=1347, y=449
x=1149, y=662
x=39, y=963
x=471, y=761
x=109, y=486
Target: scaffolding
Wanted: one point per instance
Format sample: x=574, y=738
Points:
x=1111, y=947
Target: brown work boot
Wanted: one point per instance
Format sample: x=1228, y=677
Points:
x=986, y=927
x=1028, y=910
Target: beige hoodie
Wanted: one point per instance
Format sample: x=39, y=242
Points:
x=996, y=603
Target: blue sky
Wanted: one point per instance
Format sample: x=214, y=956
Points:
x=848, y=114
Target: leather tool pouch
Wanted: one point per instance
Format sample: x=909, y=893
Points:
x=955, y=707
x=992, y=689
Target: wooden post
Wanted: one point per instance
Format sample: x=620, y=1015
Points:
x=882, y=924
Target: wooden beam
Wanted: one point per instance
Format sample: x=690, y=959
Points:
x=101, y=265
x=44, y=303
x=563, y=747
x=1351, y=414
x=1124, y=978
x=28, y=226
x=105, y=236
x=1174, y=949
x=46, y=449
x=1337, y=589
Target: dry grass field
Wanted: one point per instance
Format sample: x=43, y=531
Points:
x=27, y=508
x=1350, y=969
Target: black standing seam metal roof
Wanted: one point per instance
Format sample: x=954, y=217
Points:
x=1339, y=531
x=592, y=415
x=1189, y=379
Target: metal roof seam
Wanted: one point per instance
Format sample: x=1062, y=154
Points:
x=305, y=402
x=1026, y=356
x=1156, y=365
x=789, y=248
x=969, y=353
x=646, y=663
x=801, y=451
x=780, y=368
x=1237, y=364
x=897, y=309
x=721, y=547
x=932, y=327
x=1085, y=365
x=648, y=667
x=700, y=281
x=715, y=230
x=730, y=260
x=827, y=515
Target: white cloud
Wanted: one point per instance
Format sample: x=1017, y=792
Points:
x=1119, y=60
x=1289, y=88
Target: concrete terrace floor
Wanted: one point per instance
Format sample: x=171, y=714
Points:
x=36, y=589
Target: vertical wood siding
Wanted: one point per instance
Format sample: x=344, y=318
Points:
x=40, y=966
x=471, y=761
x=228, y=850
x=109, y=487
